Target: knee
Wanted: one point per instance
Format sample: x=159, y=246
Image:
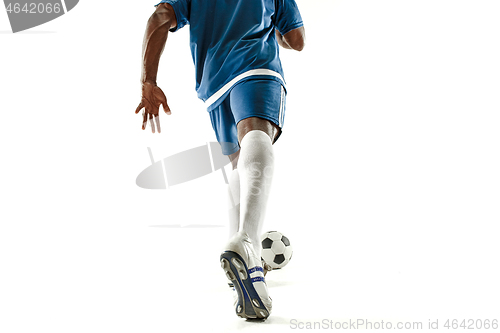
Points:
x=255, y=123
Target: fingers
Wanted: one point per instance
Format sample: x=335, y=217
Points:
x=157, y=120
x=160, y=97
x=144, y=119
x=139, y=107
x=166, y=108
x=151, y=101
x=151, y=122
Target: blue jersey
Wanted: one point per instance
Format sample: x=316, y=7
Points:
x=234, y=40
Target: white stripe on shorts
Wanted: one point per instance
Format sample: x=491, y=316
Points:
x=282, y=107
x=227, y=86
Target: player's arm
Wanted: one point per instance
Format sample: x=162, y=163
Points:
x=294, y=39
x=155, y=37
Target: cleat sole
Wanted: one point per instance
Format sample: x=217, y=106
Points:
x=249, y=304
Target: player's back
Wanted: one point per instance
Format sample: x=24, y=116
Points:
x=231, y=39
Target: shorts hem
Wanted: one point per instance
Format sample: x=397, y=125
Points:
x=232, y=151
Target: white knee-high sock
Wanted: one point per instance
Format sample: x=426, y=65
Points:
x=256, y=167
x=233, y=191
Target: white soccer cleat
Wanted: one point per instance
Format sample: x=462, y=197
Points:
x=266, y=267
x=244, y=270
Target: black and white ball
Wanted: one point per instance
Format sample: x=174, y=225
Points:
x=276, y=249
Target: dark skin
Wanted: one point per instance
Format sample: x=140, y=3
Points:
x=155, y=38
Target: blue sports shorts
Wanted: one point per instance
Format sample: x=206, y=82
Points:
x=252, y=98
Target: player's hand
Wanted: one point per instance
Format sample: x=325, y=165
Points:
x=152, y=97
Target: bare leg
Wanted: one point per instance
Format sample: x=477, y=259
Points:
x=255, y=123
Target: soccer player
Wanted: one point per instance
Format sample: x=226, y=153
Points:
x=234, y=45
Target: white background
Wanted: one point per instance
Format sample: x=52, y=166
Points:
x=386, y=177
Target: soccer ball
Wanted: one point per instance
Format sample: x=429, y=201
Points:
x=276, y=249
